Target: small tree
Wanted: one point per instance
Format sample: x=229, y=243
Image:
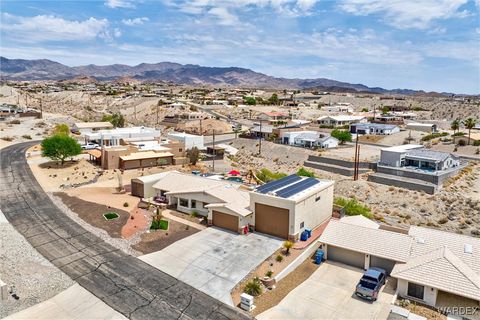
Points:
x=385, y=110
x=250, y=100
x=193, y=155
x=61, y=129
x=273, y=99
x=287, y=245
x=116, y=119
x=469, y=124
x=342, y=135
x=60, y=147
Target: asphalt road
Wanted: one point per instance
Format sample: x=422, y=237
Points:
x=125, y=283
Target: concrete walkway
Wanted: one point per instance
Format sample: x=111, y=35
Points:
x=125, y=283
x=72, y=304
x=170, y=216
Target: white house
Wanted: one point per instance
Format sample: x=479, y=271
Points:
x=425, y=127
x=416, y=156
x=340, y=120
x=112, y=137
x=189, y=140
x=308, y=139
x=86, y=127
x=374, y=128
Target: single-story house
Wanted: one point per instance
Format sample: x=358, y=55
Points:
x=286, y=207
x=225, y=203
x=434, y=267
x=340, y=120
x=114, y=137
x=374, y=128
x=416, y=156
x=425, y=127
x=189, y=140
x=308, y=139
x=84, y=127
x=143, y=186
x=264, y=131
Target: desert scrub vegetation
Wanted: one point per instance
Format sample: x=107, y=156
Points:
x=353, y=208
x=27, y=136
x=266, y=175
x=7, y=138
x=434, y=135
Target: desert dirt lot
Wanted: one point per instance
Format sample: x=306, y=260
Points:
x=329, y=293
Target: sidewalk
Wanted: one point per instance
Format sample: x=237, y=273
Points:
x=170, y=216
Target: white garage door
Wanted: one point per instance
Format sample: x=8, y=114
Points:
x=349, y=257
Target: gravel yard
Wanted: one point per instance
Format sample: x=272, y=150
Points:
x=35, y=278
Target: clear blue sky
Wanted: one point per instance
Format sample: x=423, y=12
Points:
x=419, y=44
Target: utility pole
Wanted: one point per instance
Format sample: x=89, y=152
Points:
x=41, y=109
x=214, y=153
x=157, y=112
x=260, y=143
x=201, y=129
x=357, y=154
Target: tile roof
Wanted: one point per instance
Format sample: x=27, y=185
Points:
x=443, y=270
x=360, y=221
x=377, y=242
x=428, y=154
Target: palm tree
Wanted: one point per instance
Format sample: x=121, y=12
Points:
x=469, y=124
x=455, y=125
x=253, y=287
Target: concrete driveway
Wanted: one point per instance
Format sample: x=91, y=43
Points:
x=214, y=260
x=329, y=294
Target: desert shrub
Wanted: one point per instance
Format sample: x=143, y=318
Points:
x=353, y=207
x=194, y=214
x=269, y=273
x=266, y=175
x=125, y=204
x=458, y=134
x=476, y=143
x=287, y=245
x=443, y=220
x=279, y=258
x=462, y=143
x=27, y=136
x=7, y=138
x=434, y=135
x=15, y=121
x=253, y=287
x=305, y=173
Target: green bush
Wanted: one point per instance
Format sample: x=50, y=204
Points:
x=305, y=173
x=341, y=135
x=159, y=224
x=476, y=143
x=110, y=215
x=458, y=134
x=266, y=175
x=434, y=135
x=269, y=273
x=279, y=258
x=353, y=208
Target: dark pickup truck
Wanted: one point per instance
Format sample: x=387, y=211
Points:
x=372, y=281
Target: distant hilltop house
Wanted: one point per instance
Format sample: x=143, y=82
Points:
x=425, y=127
x=339, y=107
x=432, y=267
x=374, y=128
x=308, y=139
x=283, y=208
x=340, y=120
x=415, y=167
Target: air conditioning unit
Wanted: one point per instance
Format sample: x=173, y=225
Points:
x=246, y=302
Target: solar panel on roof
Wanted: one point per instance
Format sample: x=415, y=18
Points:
x=297, y=187
x=274, y=185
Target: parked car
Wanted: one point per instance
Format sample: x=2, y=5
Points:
x=370, y=284
x=90, y=146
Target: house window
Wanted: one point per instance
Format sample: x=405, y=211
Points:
x=183, y=202
x=318, y=198
x=302, y=224
x=193, y=203
x=180, y=150
x=415, y=290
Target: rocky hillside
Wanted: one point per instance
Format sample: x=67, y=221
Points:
x=18, y=69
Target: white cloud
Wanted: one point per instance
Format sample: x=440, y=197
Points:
x=120, y=4
x=53, y=28
x=135, y=21
x=406, y=14
x=223, y=16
